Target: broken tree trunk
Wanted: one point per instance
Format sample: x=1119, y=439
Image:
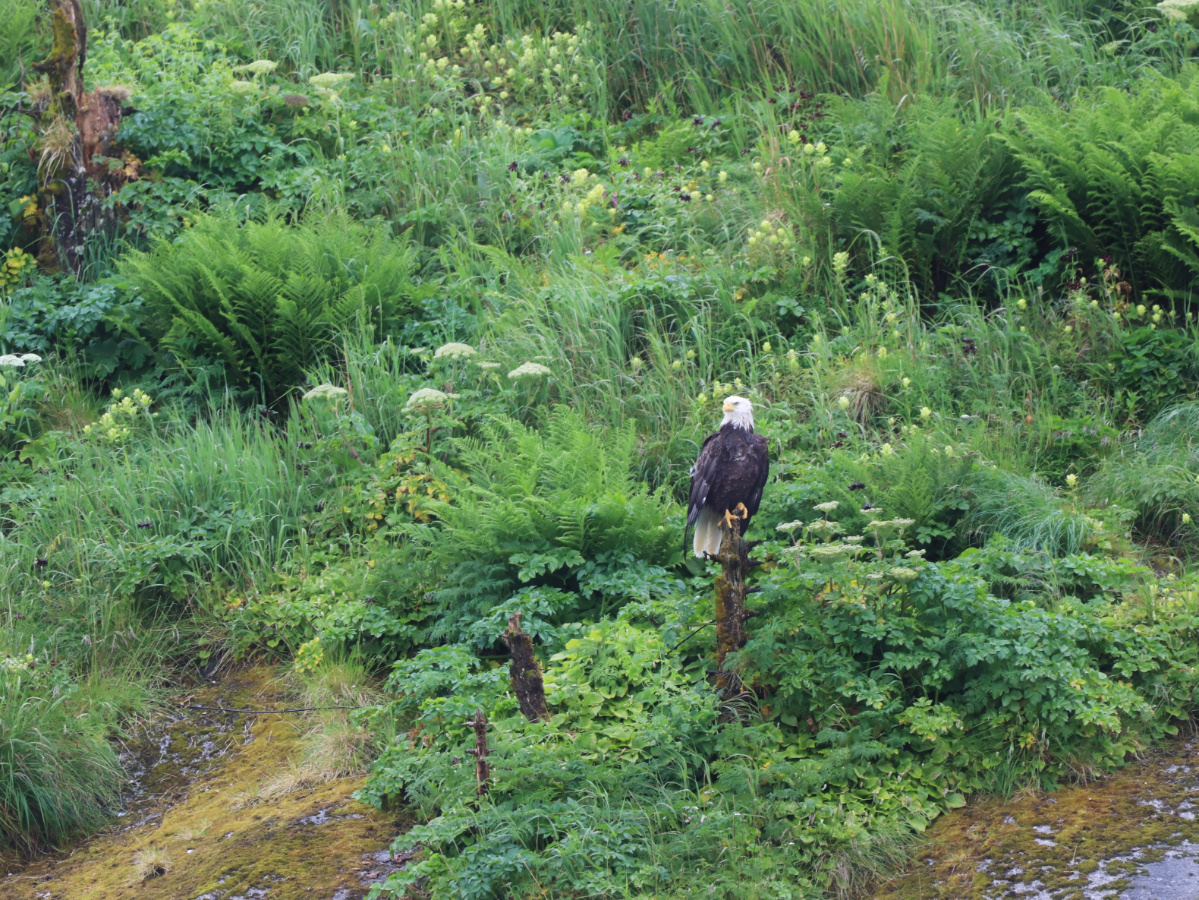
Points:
x=730, y=598
x=77, y=132
x=525, y=672
x=481, y=752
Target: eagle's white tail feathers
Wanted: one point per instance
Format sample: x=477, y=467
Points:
x=707, y=533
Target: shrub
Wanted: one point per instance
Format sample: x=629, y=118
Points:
x=900, y=671
x=91, y=323
x=917, y=665
x=623, y=805
x=188, y=125
x=1152, y=367
x=267, y=300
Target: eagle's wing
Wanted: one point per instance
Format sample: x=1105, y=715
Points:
x=760, y=463
x=703, y=474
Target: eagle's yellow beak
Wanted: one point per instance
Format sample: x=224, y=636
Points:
x=728, y=407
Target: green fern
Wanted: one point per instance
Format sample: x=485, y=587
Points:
x=1118, y=173
x=267, y=299
x=564, y=493
x=925, y=194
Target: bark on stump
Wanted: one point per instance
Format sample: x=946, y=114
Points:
x=76, y=173
x=730, y=600
x=525, y=672
x=481, y=752
x=730, y=591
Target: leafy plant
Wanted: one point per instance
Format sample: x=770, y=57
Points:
x=1152, y=369
x=940, y=678
x=91, y=323
x=20, y=392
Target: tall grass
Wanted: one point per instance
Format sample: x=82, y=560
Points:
x=1153, y=475
x=227, y=482
x=1028, y=513
x=698, y=54
x=99, y=563
x=632, y=354
x=58, y=769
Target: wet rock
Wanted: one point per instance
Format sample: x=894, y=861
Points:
x=1133, y=836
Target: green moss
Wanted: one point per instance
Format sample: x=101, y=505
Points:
x=62, y=49
x=240, y=834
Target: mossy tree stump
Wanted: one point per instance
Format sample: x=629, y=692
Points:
x=525, y=672
x=76, y=144
x=731, y=590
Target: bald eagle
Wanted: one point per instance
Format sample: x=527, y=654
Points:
x=728, y=476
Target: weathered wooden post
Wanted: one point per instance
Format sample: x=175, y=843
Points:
x=525, y=672
x=481, y=752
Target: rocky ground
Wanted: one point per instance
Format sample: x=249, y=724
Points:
x=1132, y=836
x=214, y=812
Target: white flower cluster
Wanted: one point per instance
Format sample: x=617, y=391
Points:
x=529, y=370
x=19, y=360
x=258, y=67
x=325, y=392
x=454, y=351
x=326, y=81
x=426, y=400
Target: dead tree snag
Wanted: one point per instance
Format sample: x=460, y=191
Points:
x=525, y=672
x=730, y=616
x=730, y=591
x=76, y=143
x=480, y=752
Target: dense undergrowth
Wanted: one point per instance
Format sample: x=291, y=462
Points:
x=406, y=318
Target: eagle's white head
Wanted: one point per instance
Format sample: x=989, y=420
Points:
x=738, y=412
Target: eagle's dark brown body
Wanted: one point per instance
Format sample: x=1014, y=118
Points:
x=732, y=468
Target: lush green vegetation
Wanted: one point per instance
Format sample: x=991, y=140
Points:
x=395, y=320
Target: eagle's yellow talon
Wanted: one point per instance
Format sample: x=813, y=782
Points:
x=735, y=516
